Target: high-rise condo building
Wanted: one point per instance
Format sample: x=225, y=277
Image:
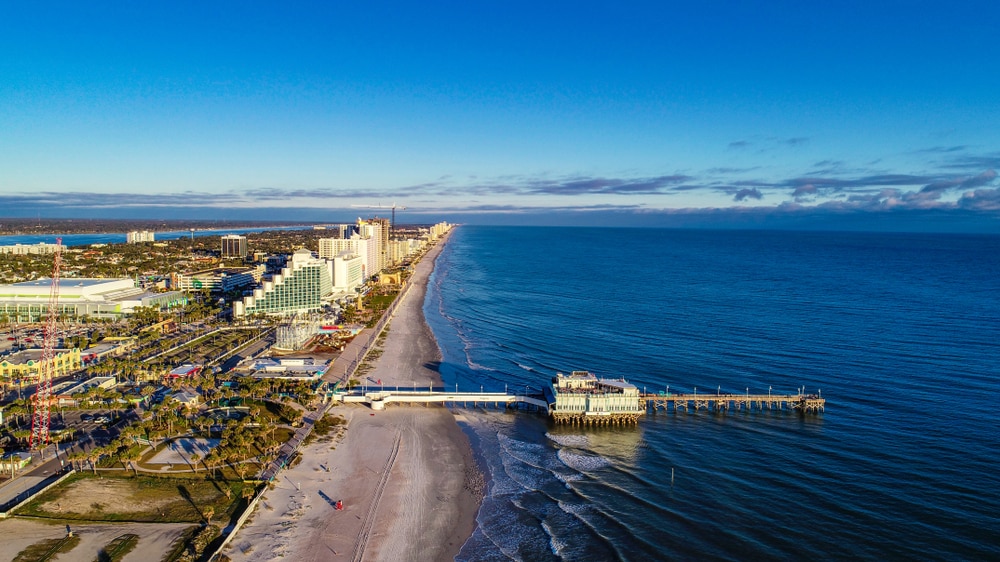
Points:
x=137, y=236
x=234, y=246
x=330, y=248
x=303, y=286
x=377, y=231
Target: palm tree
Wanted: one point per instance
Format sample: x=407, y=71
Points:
x=76, y=459
x=130, y=455
x=212, y=460
x=94, y=456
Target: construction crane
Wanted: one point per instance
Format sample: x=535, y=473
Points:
x=392, y=222
x=42, y=400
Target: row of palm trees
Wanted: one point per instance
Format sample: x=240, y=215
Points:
x=245, y=444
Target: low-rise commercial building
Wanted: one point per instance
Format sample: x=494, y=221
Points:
x=289, y=368
x=81, y=297
x=25, y=249
x=26, y=366
x=218, y=279
x=582, y=398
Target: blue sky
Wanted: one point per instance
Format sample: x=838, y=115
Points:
x=521, y=112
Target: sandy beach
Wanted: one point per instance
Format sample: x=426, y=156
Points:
x=410, y=487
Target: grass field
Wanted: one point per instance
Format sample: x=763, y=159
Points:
x=120, y=497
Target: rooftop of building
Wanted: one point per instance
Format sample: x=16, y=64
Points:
x=66, y=282
x=584, y=382
x=78, y=387
x=100, y=348
x=30, y=356
x=290, y=366
x=220, y=271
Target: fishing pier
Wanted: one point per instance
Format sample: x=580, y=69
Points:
x=811, y=403
x=379, y=399
x=580, y=398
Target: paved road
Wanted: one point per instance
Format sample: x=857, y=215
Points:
x=35, y=477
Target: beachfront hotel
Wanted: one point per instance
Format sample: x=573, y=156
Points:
x=305, y=285
x=81, y=297
x=365, y=248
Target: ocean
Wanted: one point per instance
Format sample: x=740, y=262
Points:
x=899, y=332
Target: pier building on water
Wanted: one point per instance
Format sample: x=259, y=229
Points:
x=583, y=399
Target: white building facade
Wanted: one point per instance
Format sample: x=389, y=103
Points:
x=139, y=236
x=303, y=286
x=330, y=248
x=348, y=272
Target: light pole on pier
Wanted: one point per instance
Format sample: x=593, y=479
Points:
x=769, y=393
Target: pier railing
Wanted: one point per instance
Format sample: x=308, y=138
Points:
x=723, y=402
x=378, y=399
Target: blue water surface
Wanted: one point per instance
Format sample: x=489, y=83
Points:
x=899, y=332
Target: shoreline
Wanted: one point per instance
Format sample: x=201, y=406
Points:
x=408, y=477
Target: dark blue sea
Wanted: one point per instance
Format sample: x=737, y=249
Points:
x=900, y=333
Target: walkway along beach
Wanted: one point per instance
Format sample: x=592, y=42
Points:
x=407, y=479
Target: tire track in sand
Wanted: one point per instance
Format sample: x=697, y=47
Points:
x=369, y=522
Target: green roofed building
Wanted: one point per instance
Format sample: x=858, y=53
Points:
x=304, y=286
x=78, y=298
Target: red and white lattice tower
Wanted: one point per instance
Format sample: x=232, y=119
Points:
x=43, y=393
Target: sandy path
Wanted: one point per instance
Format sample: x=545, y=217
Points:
x=424, y=508
x=154, y=538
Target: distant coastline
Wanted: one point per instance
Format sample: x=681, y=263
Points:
x=112, y=237
x=49, y=227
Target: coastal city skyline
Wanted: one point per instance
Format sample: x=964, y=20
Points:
x=723, y=114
